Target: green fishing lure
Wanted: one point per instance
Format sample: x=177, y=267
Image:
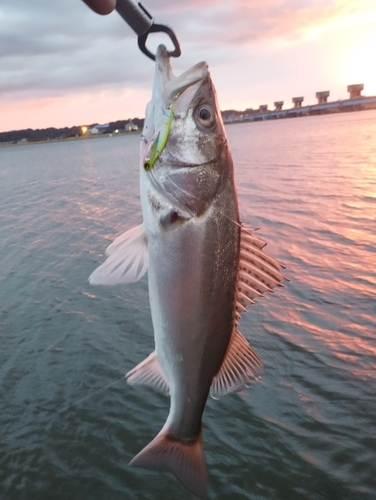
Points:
x=160, y=141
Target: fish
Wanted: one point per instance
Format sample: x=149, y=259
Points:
x=204, y=266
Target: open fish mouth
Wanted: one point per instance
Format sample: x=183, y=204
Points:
x=169, y=86
x=168, y=90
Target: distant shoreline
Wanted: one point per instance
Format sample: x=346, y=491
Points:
x=361, y=103
x=67, y=139
x=254, y=117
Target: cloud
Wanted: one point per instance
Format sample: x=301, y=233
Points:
x=242, y=22
x=50, y=49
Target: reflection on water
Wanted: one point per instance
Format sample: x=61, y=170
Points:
x=70, y=423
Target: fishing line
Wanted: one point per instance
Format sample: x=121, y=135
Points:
x=78, y=401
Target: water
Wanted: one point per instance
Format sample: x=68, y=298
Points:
x=70, y=423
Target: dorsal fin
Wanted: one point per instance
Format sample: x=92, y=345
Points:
x=257, y=271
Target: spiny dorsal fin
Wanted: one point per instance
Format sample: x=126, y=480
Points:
x=149, y=372
x=257, y=272
x=127, y=259
x=240, y=367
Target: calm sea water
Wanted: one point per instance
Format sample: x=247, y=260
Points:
x=69, y=423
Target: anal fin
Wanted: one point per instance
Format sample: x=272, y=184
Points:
x=240, y=367
x=149, y=372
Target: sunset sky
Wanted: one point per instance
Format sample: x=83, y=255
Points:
x=63, y=65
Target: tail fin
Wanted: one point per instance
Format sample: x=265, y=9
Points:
x=186, y=461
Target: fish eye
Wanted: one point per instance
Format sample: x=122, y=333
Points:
x=205, y=116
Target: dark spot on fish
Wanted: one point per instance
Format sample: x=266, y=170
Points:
x=174, y=217
x=154, y=203
x=171, y=218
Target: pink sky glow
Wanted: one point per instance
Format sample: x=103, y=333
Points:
x=63, y=65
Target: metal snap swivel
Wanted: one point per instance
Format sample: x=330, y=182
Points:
x=159, y=28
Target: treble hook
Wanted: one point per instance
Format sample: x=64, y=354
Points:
x=142, y=23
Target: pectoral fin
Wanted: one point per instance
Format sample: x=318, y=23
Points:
x=240, y=367
x=127, y=260
x=149, y=372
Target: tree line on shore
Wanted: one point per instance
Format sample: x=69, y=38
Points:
x=45, y=134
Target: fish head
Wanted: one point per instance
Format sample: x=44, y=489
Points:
x=184, y=147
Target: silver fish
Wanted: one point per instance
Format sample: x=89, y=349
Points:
x=204, y=266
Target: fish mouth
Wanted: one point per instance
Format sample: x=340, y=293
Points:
x=168, y=90
x=177, y=90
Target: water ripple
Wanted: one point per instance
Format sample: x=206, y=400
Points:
x=69, y=421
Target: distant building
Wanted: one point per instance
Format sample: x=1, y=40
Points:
x=355, y=90
x=322, y=97
x=297, y=101
x=278, y=105
x=130, y=127
x=99, y=129
x=263, y=108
